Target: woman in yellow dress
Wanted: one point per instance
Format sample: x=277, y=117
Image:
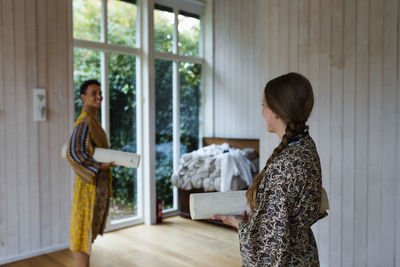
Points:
x=92, y=186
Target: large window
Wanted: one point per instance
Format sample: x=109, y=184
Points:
x=108, y=35
x=177, y=90
x=105, y=49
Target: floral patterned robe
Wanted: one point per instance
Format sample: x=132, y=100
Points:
x=92, y=186
x=288, y=201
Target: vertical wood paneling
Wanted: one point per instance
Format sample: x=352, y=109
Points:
x=361, y=174
x=313, y=76
x=257, y=81
x=283, y=36
x=293, y=36
x=387, y=242
x=32, y=149
x=265, y=42
x=303, y=28
x=3, y=195
x=362, y=131
x=235, y=78
x=218, y=28
x=44, y=167
x=324, y=119
x=11, y=127
x=350, y=52
x=253, y=82
x=240, y=80
x=274, y=38
x=274, y=61
x=348, y=133
x=240, y=15
x=224, y=76
x=314, y=79
x=35, y=40
x=63, y=133
x=229, y=66
x=375, y=133
x=397, y=179
x=21, y=120
x=63, y=82
x=53, y=113
x=336, y=139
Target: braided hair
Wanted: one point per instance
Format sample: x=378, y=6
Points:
x=290, y=97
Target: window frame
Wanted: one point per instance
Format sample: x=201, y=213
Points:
x=145, y=91
x=105, y=48
x=176, y=59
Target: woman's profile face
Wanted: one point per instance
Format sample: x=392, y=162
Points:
x=270, y=117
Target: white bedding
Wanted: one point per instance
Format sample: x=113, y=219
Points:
x=215, y=168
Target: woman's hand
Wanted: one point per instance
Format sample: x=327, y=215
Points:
x=107, y=165
x=232, y=220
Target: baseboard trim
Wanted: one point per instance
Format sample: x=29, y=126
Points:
x=33, y=253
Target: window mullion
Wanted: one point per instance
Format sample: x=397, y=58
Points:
x=148, y=111
x=105, y=122
x=104, y=14
x=105, y=110
x=175, y=48
x=175, y=109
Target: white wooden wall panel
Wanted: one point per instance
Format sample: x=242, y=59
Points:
x=336, y=127
x=35, y=184
x=234, y=77
x=3, y=230
x=21, y=121
x=361, y=136
x=349, y=49
x=11, y=201
x=397, y=172
x=314, y=77
x=348, y=168
x=264, y=71
x=33, y=163
x=389, y=204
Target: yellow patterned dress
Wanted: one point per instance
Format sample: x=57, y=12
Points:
x=92, y=186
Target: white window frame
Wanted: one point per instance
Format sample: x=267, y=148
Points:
x=176, y=59
x=145, y=93
x=105, y=48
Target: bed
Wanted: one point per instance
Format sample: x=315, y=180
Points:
x=183, y=195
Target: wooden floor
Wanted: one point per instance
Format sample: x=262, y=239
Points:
x=175, y=242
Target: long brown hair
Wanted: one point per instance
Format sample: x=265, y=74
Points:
x=291, y=97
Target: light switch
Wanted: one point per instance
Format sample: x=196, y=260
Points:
x=39, y=104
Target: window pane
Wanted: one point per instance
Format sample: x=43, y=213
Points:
x=86, y=66
x=87, y=19
x=163, y=30
x=190, y=99
x=121, y=23
x=122, y=88
x=164, y=147
x=189, y=34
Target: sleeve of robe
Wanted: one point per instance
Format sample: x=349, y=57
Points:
x=80, y=153
x=264, y=240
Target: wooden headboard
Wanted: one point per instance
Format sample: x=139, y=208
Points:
x=238, y=143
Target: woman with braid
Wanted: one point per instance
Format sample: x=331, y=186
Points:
x=285, y=197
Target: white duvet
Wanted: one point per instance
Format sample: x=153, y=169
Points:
x=214, y=168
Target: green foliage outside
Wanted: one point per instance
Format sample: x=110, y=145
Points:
x=122, y=93
x=122, y=88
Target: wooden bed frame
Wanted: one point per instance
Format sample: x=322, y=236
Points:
x=183, y=195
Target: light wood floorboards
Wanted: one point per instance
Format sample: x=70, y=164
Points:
x=175, y=242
